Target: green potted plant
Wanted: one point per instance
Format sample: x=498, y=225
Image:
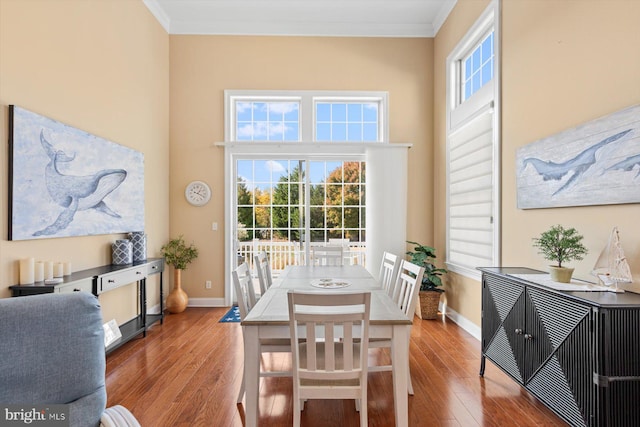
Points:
x=431, y=283
x=561, y=245
x=177, y=254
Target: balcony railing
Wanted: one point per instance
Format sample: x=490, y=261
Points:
x=282, y=254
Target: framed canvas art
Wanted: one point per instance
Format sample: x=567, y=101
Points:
x=596, y=163
x=66, y=182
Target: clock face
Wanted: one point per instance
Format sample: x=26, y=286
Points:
x=197, y=193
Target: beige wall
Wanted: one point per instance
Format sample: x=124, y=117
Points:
x=564, y=63
x=103, y=67
x=202, y=67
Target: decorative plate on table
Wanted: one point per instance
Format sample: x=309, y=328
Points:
x=330, y=283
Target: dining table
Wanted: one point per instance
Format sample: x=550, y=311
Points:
x=269, y=318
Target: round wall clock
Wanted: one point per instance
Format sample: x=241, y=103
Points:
x=197, y=193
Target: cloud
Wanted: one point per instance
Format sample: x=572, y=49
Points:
x=274, y=166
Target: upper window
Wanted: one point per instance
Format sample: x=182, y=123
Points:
x=477, y=68
x=306, y=116
x=267, y=121
x=346, y=121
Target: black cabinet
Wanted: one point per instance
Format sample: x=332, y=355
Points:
x=576, y=351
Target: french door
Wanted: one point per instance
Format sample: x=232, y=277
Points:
x=285, y=205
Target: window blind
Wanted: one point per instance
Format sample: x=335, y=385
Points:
x=470, y=227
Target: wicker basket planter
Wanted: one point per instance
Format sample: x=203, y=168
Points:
x=429, y=301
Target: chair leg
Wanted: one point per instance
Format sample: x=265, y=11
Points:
x=296, y=411
x=241, y=392
x=409, y=384
x=363, y=409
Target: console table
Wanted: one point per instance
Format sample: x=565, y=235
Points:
x=576, y=351
x=102, y=279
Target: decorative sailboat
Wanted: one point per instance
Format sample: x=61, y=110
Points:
x=612, y=267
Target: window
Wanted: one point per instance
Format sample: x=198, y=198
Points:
x=306, y=168
x=305, y=116
x=341, y=121
x=477, y=67
x=267, y=121
x=473, y=193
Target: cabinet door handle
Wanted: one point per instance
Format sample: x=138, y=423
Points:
x=138, y=272
x=111, y=281
x=518, y=331
x=76, y=290
x=528, y=336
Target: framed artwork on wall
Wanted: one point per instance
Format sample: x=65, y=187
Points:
x=596, y=163
x=66, y=182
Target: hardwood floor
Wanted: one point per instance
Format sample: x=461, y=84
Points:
x=187, y=372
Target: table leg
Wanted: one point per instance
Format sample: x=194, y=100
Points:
x=251, y=374
x=400, y=353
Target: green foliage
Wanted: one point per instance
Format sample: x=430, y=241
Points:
x=560, y=245
x=424, y=255
x=178, y=254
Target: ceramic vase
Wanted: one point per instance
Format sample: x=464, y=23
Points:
x=122, y=252
x=178, y=299
x=139, y=242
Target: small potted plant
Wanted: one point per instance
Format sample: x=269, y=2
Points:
x=430, y=285
x=179, y=255
x=561, y=245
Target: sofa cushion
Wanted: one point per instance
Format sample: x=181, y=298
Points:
x=52, y=351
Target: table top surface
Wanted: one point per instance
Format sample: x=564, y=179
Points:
x=272, y=307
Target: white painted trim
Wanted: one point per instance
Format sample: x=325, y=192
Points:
x=466, y=324
x=441, y=18
x=154, y=310
x=207, y=302
x=159, y=13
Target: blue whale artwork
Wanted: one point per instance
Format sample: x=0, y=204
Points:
x=75, y=193
x=67, y=182
x=578, y=164
x=596, y=163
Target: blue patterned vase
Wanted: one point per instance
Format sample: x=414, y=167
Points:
x=122, y=252
x=139, y=241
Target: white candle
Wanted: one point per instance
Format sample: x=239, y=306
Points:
x=58, y=270
x=67, y=268
x=48, y=270
x=39, y=271
x=27, y=266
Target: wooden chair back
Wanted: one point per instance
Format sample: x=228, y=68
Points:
x=243, y=286
x=327, y=255
x=388, y=272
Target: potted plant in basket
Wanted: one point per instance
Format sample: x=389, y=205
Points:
x=430, y=286
x=179, y=255
x=561, y=245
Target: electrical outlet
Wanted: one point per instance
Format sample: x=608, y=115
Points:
x=207, y=284
x=214, y=226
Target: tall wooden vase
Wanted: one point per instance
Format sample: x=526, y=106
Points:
x=177, y=299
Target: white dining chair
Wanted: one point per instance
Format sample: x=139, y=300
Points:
x=405, y=295
x=327, y=255
x=388, y=272
x=243, y=286
x=330, y=358
x=263, y=269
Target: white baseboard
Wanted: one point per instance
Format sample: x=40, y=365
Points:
x=206, y=302
x=154, y=310
x=462, y=321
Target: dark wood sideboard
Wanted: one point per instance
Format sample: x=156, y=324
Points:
x=578, y=352
x=102, y=279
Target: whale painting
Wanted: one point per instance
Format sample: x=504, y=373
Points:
x=66, y=182
x=596, y=163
